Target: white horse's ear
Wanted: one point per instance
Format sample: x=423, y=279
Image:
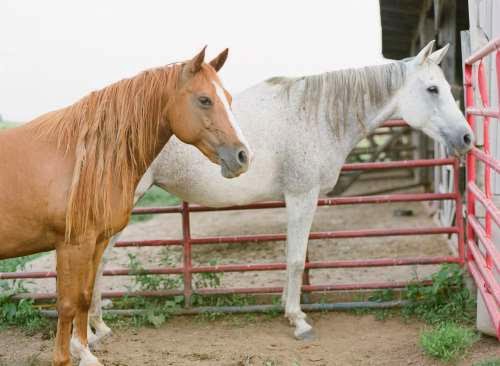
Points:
x=424, y=53
x=438, y=55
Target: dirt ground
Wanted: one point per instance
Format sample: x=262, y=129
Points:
x=342, y=339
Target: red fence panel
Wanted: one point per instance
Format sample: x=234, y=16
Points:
x=483, y=256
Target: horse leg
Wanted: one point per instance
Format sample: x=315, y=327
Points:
x=79, y=343
x=74, y=262
x=300, y=213
x=95, y=312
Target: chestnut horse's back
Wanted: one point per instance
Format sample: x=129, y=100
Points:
x=28, y=192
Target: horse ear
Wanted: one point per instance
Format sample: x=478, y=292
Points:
x=196, y=62
x=438, y=55
x=424, y=53
x=219, y=61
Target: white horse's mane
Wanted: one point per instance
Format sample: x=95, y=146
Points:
x=341, y=93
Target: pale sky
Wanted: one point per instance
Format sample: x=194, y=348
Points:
x=54, y=52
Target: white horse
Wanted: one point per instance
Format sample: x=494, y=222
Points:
x=301, y=131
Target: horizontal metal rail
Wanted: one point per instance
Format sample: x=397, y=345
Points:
x=244, y=290
x=354, y=263
x=334, y=201
x=256, y=308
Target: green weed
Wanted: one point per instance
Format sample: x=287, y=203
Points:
x=20, y=313
x=446, y=300
x=5, y=125
x=270, y=363
x=495, y=362
x=276, y=310
x=448, y=341
x=155, y=310
x=383, y=295
x=148, y=282
x=18, y=263
x=208, y=279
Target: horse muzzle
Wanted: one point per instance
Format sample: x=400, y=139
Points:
x=233, y=161
x=460, y=143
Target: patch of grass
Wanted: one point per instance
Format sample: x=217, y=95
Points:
x=20, y=313
x=156, y=310
x=447, y=300
x=383, y=295
x=159, y=310
x=18, y=263
x=14, y=312
x=208, y=279
x=276, y=310
x=270, y=363
x=448, y=341
x=155, y=196
x=495, y=362
x=149, y=282
x=6, y=124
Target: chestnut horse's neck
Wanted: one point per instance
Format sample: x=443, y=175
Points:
x=114, y=134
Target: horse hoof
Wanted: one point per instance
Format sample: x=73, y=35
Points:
x=91, y=360
x=103, y=333
x=90, y=363
x=92, y=339
x=307, y=335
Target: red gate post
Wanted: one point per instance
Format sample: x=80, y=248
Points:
x=306, y=280
x=186, y=255
x=458, y=212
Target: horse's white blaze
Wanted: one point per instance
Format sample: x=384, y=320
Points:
x=220, y=93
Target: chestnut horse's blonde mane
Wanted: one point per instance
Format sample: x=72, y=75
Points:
x=113, y=134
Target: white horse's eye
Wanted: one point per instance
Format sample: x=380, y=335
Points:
x=433, y=89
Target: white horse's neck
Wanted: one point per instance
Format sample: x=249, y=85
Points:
x=348, y=104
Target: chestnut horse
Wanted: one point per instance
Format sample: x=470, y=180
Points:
x=68, y=177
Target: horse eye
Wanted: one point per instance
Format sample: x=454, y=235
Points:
x=205, y=101
x=433, y=89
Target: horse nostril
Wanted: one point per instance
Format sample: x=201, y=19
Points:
x=467, y=139
x=242, y=157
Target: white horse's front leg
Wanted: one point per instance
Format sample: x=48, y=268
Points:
x=300, y=211
x=95, y=311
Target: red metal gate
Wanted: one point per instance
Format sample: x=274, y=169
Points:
x=483, y=255
x=187, y=241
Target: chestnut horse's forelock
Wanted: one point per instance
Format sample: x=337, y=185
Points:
x=112, y=132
